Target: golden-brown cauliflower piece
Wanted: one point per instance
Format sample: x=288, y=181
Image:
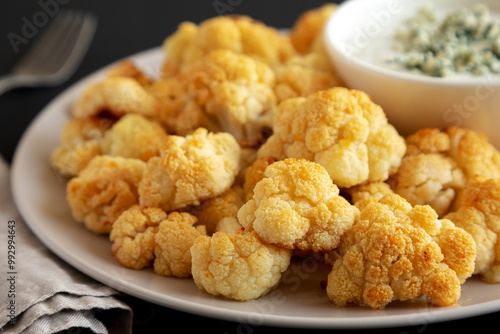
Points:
x=81, y=140
x=479, y=214
x=432, y=179
x=364, y=194
x=134, y=136
x=474, y=154
x=457, y=246
x=190, y=169
x=234, y=89
x=255, y=173
x=384, y=258
x=239, y=34
x=173, y=240
x=214, y=209
x=340, y=129
x=297, y=205
x=133, y=236
x=237, y=266
x=308, y=27
x=105, y=188
x=116, y=95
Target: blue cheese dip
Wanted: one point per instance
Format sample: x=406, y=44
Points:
x=465, y=41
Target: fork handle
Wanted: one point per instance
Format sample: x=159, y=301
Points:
x=10, y=81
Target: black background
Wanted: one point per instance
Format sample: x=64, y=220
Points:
x=124, y=28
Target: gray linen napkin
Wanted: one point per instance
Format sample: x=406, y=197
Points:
x=39, y=293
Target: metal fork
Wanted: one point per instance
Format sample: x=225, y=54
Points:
x=55, y=55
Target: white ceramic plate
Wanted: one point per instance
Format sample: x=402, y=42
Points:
x=298, y=302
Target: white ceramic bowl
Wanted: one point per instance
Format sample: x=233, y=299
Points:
x=358, y=38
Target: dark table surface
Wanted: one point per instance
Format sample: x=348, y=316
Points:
x=124, y=28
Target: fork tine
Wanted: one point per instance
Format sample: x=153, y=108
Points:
x=67, y=40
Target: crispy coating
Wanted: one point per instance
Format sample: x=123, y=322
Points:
x=173, y=240
x=80, y=141
x=213, y=210
x=237, y=266
x=254, y=174
x=116, y=95
x=457, y=246
x=296, y=205
x=239, y=34
x=364, y=194
x=127, y=68
x=105, y=188
x=134, y=136
x=431, y=178
x=474, y=154
x=478, y=213
x=133, y=236
x=302, y=75
x=234, y=89
x=308, y=27
x=384, y=258
x=190, y=169
x=340, y=129
x=229, y=225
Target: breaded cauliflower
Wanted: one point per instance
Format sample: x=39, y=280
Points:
x=384, y=258
x=127, y=68
x=239, y=34
x=431, y=178
x=308, y=27
x=479, y=214
x=229, y=225
x=364, y=194
x=105, y=188
x=134, y=136
x=173, y=241
x=133, y=236
x=214, y=209
x=116, y=95
x=302, y=75
x=296, y=205
x=474, y=154
x=190, y=169
x=80, y=141
x=457, y=246
x=340, y=129
x=255, y=173
x=237, y=266
x=234, y=89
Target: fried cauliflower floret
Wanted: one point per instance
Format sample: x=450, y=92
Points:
x=133, y=236
x=478, y=213
x=80, y=141
x=308, y=28
x=474, y=154
x=173, y=240
x=384, y=258
x=190, y=169
x=237, y=266
x=254, y=174
x=239, y=34
x=457, y=246
x=364, y=194
x=214, y=209
x=134, y=136
x=302, y=75
x=234, y=89
x=116, y=95
x=229, y=225
x=432, y=179
x=105, y=188
x=340, y=129
x=296, y=205
x=127, y=68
